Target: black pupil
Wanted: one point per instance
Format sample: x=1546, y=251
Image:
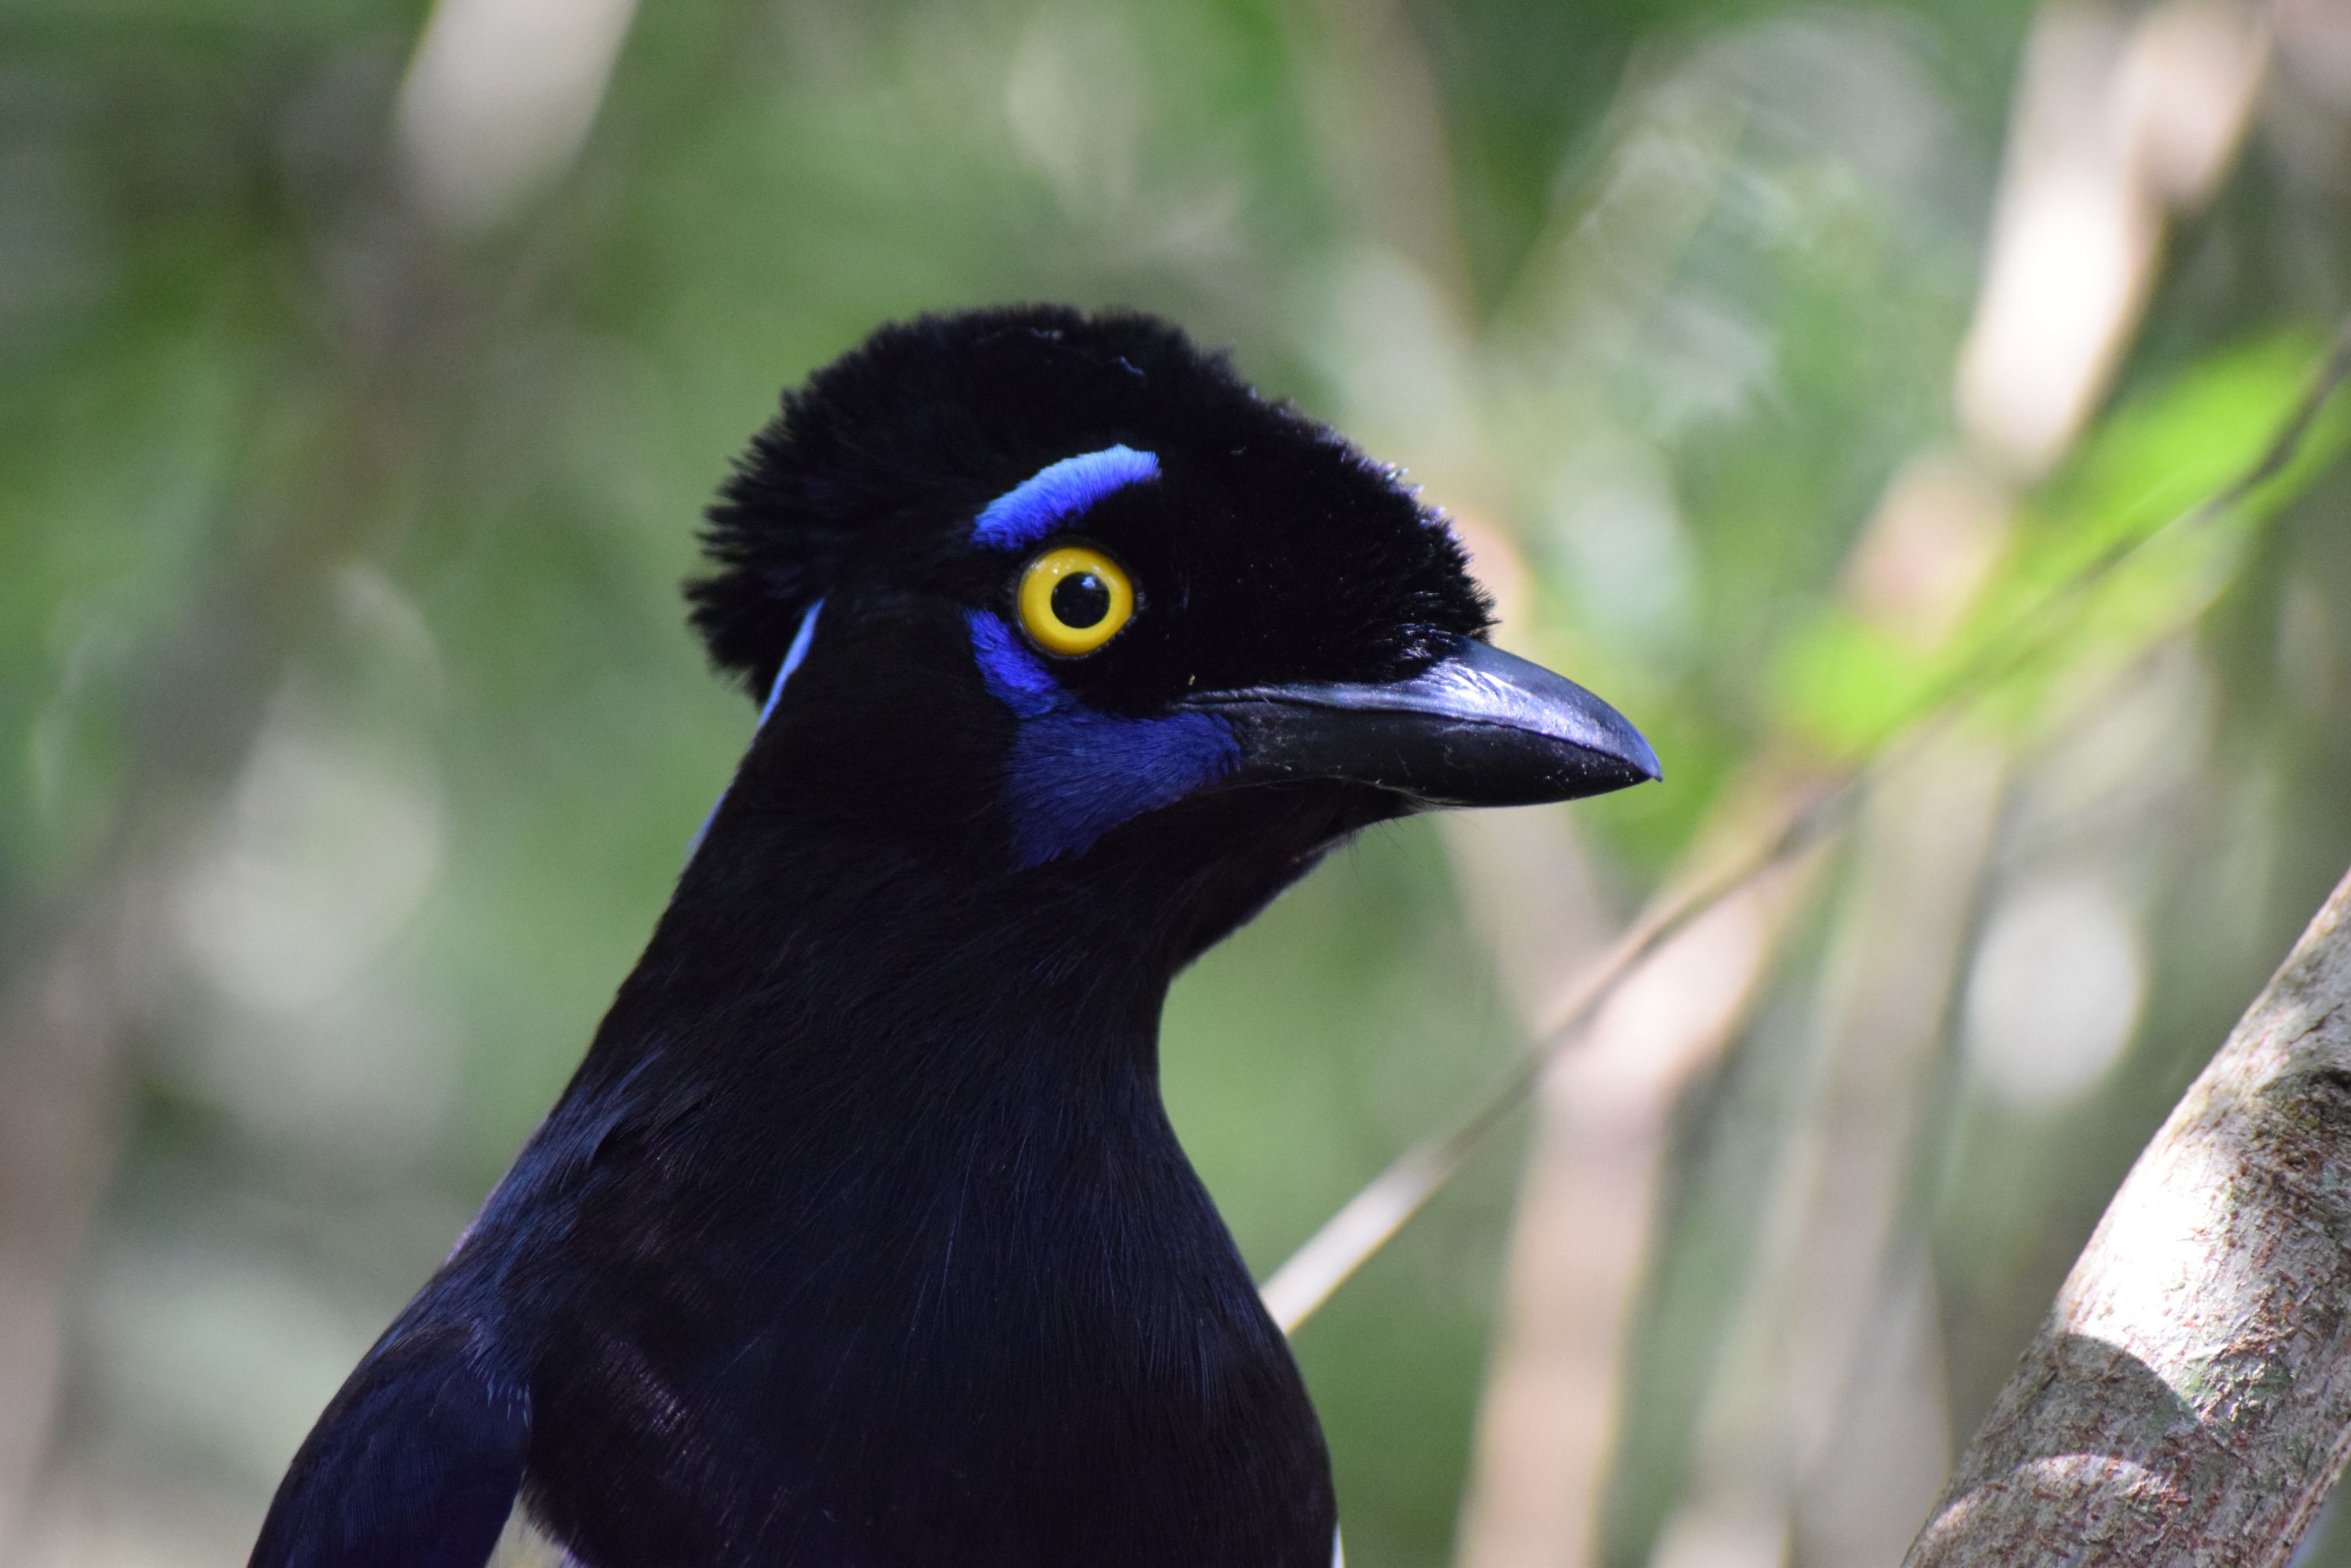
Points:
x=1080, y=599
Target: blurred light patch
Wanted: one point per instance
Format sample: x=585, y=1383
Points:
x=2307, y=650
x=367, y=1078
x=1395, y=347
x=1613, y=520
x=2314, y=46
x=2116, y=127
x=499, y=98
x=1076, y=97
x=1706, y=359
x=2058, y=982
x=229, y=1349
x=1929, y=548
x=2186, y=90
x=1745, y=1532
x=2117, y=774
x=330, y=843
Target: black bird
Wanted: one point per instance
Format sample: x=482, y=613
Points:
x=861, y=1238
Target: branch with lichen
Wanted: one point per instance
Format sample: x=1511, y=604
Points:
x=2189, y=1399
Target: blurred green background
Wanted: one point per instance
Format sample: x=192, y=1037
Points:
x=366, y=364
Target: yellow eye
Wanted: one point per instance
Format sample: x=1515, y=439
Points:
x=1073, y=600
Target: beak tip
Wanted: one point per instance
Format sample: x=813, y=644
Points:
x=1614, y=739
x=1643, y=757
x=1620, y=768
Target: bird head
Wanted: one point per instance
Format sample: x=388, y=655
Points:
x=1062, y=594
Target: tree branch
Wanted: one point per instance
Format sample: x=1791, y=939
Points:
x=2189, y=1399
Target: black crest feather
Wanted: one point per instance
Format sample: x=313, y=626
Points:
x=929, y=419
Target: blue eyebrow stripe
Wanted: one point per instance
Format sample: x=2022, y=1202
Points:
x=1057, y=492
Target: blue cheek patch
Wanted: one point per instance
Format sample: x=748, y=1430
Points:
x=1075, y=774
x=1058, y=492
x=1014, y=674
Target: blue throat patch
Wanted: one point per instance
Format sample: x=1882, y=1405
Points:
x=1074, y=773
x=1058, y=491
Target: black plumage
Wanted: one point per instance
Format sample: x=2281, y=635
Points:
x=861, y=1237
x=1284, y=547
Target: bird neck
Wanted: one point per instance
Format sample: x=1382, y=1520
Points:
x=792, y=959
x=946, y=1067
x=910, y=1109
x=795, y=941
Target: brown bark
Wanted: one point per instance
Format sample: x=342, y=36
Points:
x=2188, y=1400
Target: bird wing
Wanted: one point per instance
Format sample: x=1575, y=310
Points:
x=414, y=1465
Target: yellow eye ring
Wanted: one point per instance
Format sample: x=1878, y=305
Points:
x=1072, y=599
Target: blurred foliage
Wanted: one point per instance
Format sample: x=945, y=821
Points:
x=2077, y=593
x=341, y=552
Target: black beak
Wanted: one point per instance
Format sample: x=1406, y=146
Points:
x=1479, y=727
